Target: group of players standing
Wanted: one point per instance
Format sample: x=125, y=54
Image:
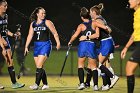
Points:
x=92, y=40
x=96, y=44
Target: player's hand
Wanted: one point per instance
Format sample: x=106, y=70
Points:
x=18, y=33
x=26, y=51
x=69, y=44
x=82, y=38
x=58, y=46
x=123, y=53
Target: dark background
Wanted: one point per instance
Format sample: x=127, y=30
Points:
x=65, y=16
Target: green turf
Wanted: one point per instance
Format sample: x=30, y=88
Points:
x=54, y=64
x=66, y=84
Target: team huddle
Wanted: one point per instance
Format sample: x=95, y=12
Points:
x=95, y=44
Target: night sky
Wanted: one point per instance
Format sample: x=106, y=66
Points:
x=65, y=16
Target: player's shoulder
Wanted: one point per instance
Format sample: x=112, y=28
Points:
x=48, y=21
x=80, y=25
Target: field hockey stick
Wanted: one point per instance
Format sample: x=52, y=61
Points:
x=67, y=53
x=20, y=71
x=13, y=49
x=16, y=37
x=21, y=67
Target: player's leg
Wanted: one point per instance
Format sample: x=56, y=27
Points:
x=108, y=65
x=130, y=69
x=81, y=72
x=11, y=70
x=44, y=79
x=131, y=66
x=88, y=77
x=104, y=69
x=41, y=53
x=39, y=61
x=106, y=79
x=93, y=66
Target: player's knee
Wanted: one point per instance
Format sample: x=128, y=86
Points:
x=80, y=65
x=129, y=71
x=39, y=65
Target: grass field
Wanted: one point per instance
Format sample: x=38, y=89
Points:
x=65, y=84
x=54, y=64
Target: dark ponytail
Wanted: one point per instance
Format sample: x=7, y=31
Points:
x=84, y=13
x=33, y=16
x=1, y=1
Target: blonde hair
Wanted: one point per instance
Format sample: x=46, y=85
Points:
x=97, y=8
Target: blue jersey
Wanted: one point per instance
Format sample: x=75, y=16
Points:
x=41, y=31
x=3, y=25
x=3, y=29
x=106, y=41
x=42, y=44
x=88, y=31
x=103, y=33
x=87, y=48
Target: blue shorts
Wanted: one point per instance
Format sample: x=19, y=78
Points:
x=106, y=47
x=42, y=48
x=87, y=49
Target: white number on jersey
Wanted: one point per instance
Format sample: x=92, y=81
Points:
x=88, y=33
x=38, y=34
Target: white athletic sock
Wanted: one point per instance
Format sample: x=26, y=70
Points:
x=99, y=64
